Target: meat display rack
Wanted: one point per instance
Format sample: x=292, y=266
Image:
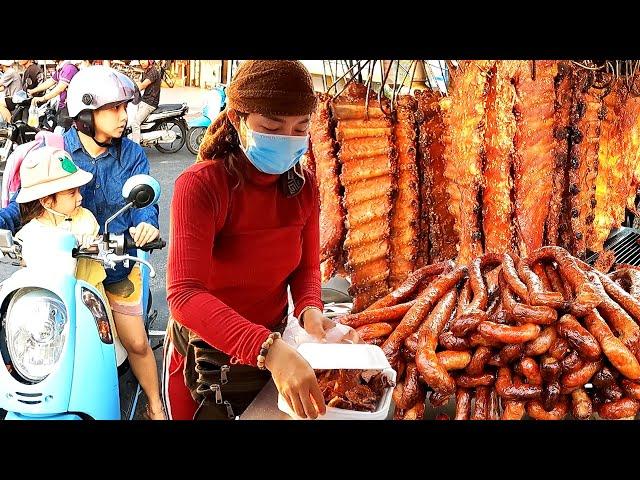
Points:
x=624, y=244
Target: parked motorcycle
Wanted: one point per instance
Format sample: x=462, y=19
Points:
x=215, y=102
x=60, y=357
x=165, y=128
x=20, y=130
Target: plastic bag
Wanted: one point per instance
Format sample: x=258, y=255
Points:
x=33, y=115
x=295, y=335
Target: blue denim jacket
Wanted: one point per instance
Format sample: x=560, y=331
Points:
x=103, y=194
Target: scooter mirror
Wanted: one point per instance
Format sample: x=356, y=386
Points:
x=141, y=191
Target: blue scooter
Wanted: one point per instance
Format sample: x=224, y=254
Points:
x=215, y=102
x=58, y=350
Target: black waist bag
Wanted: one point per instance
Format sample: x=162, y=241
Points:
x=222, y=390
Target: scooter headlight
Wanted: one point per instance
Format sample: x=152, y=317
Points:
x=36, y=329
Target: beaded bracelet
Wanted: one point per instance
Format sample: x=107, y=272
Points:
x=264, y=349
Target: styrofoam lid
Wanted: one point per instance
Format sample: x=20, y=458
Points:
x=328, y=356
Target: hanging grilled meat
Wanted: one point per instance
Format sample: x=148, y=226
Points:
x=367, y=157
x=609, y=163
x=464, y=143
x=586, y=115
x=534, y=161
x=438, y=239
x=558, y=219
x=497, y=214
x=326, y=166
x=630, y=153
x=405, y=215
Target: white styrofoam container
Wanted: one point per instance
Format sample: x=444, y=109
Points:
x=360, y=356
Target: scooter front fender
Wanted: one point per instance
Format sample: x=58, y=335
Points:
x=199, y=122
x=61, y=416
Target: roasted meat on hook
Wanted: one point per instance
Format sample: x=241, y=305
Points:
x=464, y=144
x=609, y=163
x=367, y=157
x=405, y=213
x=497, y=210
x=534, y=159
x=586, y=115
x=558, y=219
x=438, y=240
x=326, y=166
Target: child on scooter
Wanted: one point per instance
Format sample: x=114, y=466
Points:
x=97, y=101
x=50, y=198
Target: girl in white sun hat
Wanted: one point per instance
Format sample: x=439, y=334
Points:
x=50, y=198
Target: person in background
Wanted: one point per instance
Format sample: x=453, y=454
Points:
x=85, y=63
x=65, y=71
x=150, y=83
x=32, y=76
x=10, y=83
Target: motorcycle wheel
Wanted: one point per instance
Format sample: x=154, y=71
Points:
x=181, y=134
x=194, y=138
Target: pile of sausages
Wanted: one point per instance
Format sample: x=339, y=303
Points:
x=546, y=335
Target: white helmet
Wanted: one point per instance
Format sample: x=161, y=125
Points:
x=97, y=86
x=93, y=88
x=6, y=63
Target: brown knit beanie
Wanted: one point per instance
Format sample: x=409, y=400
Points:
x=272, y=87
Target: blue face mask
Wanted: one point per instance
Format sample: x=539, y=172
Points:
x=273, y=154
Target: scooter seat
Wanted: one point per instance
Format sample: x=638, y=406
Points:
x=167, y=107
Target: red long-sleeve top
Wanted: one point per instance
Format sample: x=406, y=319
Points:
x=234, y=251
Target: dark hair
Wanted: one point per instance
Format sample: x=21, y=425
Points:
x=221, y=142
x=32, y=209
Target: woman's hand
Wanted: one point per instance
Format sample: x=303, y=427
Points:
x=144, y=233
x=295, y=380
x=318, y=325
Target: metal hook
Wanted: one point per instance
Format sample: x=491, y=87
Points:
x=587, y=67
x=351, y=80
x=395, y=84
x=324, y=76
x=335, y=83
x=366, y=99
x=385, y=76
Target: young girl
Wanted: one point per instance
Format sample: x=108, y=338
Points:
x=50, y=198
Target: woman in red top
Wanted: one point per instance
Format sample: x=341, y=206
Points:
x=244, y=227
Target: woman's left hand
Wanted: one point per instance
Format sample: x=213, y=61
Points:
x=318, y=325
x=144, y=233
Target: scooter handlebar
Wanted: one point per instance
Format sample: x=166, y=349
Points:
x=156, y=244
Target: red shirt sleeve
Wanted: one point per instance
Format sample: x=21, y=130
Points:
x=305, y=280
x=196, y=213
